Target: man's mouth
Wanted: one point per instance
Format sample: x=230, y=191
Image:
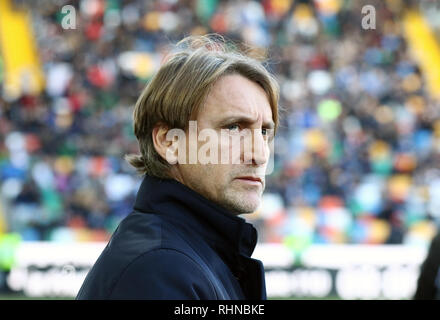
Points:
x=250, y=180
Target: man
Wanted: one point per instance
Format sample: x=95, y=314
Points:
x=428, y=283
x=184, y=239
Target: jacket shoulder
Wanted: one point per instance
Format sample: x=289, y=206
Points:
x=143, y=252
x=163, y=273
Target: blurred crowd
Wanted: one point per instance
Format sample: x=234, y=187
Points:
x=356, y=158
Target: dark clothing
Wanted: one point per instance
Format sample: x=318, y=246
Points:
x=176, y=244
x=428, y=284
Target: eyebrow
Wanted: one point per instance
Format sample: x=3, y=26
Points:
x=244, y=119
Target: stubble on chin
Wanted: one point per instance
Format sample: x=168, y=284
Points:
x=229, y=195
x=237, y=202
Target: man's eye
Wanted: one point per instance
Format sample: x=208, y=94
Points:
x=268, y=133
x=233, y=127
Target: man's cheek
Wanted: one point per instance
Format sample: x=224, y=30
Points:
x=235, y=153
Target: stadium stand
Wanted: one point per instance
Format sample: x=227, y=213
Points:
x=357, y=158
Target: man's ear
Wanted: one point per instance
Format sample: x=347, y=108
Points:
x=160, y=142
x=165, y=143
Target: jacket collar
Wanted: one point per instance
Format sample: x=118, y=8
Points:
x=232, y=236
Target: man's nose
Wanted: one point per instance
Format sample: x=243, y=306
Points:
x=260, y=150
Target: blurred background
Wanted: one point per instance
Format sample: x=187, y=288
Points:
x=354, y=198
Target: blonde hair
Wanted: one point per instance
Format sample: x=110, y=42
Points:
x=177, y=91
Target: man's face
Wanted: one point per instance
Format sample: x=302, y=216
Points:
x=235, y=106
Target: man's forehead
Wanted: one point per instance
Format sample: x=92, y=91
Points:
x=235, y=88
x=236, y=96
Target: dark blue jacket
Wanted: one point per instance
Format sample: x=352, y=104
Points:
x=176, y=244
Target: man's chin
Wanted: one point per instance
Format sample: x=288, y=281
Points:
x=243, y=207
